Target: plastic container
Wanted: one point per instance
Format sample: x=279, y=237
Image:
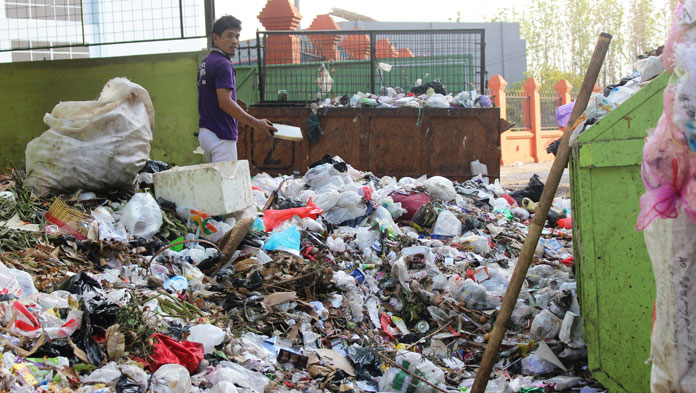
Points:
x=218, y=188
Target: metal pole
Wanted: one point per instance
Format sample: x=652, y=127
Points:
x=547, y=195
x=181, y=17
x=483, y=61
x=373, y=61
x=209, y=6
x=259, y=65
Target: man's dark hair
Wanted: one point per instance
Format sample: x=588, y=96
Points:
x=225, y=23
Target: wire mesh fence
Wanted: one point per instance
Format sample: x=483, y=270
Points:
x=308, y=65
x=517, y=104
x=46, y=25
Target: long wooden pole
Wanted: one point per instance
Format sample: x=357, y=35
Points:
x=542, y=211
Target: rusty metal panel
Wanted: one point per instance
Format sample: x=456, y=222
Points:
x=342, y=129
x=396, y=142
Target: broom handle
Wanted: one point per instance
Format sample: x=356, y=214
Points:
x=542, y=211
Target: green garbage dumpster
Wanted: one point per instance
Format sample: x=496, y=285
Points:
x=614, y=274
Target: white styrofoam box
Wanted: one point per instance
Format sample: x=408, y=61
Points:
x=218, y=188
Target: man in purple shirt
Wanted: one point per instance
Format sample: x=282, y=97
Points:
x=217, y=96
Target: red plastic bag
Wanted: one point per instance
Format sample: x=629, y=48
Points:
x=411, y=203
x=274, y=218
x=565, y=223
x=169, y=351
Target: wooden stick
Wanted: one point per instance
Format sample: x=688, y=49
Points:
x=542, y=211
x=273, y=197
x=395, y=364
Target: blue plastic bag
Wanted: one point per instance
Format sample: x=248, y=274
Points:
x=288, y=241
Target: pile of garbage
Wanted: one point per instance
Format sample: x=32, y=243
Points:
x=600, y=104
x=334, y=281
x=423, y=95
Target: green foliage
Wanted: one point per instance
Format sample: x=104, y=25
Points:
x=561, y=35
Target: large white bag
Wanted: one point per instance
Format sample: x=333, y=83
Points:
x=672, y=247
x=93, y=145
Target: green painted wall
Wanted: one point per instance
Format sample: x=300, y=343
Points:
x=31, y=89
x=613, y=269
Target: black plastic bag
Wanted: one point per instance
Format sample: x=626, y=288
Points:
x=532, y=191
x=78, y=284
x=83, y=339
x=436, y=85
x=58, y=348
x=154, y=167
x=552, y=148
x=104, y=314
x=365, y=361
x=127, y=385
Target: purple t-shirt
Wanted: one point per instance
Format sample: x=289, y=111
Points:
x=216, y=72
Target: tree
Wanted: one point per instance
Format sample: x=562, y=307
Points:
x=561, y=35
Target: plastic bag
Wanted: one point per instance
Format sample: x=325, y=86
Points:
x=171, y=378
x=167, y=351
x=440, y=188
x=109, y=229
x=563, y=113
x=410, y=202
x=437, y=101
x=447, y=224
x=546, y=325
x=108, y=375
x=26, y=282
x=348, y=207
x=142, y=216
x=534, y=365
x=288, y=241
x=93, y=145
x=619, y=94
x=672, y=247
x=240, y=376
x=9, y=283
x=79, y=284
x=274, y=218
x=336, y=244
x=208, y=335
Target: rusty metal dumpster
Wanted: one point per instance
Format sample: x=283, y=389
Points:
x=396, y=142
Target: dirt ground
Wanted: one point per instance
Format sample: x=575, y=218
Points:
x=517, y=175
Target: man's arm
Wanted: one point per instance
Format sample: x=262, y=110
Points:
x=233, y=109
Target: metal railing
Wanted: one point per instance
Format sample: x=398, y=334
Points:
x=517, y=104
x=307, y=65
x=51, y=24
x=548, y=104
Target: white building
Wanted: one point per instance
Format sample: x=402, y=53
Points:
x=68, y=29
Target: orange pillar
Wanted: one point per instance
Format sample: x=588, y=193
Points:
x=497, y=85
x=596, y=89
x=325, y=45
x=281, y=15
x=563, y=88
x=531, y=90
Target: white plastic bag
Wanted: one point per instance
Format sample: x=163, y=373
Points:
x=447, y=224
x=109, y=229
x=440, y=188
x=437, y=101
x=93, y=145
x=545, y=325
x=672, y=248
x=25, y=281
x=8, y=282
x=171, y=378
x=206, y=334
x=240, y=376
x=142, y=216
x=348, y=207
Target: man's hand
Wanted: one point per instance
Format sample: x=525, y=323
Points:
x=264, y=125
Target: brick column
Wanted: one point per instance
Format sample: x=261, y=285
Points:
x=325, y=45
x=357, y=46
x=531, y=90
x=281, y=15
x=497, y=85
x=563, y=88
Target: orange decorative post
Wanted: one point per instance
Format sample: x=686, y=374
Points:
x=281, y=15
x=384, y=49
x=404, y=52
x=563, y=88
x=497, y=85
x=597, y=89
x=531, y=90
x=325, y=45
x=357, y=46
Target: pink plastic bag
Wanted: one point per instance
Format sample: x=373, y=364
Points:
x=274, y=218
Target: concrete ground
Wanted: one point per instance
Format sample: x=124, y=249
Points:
x=516, y=176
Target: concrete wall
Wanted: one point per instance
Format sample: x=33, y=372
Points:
x=31, y=89
x=505, y=50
